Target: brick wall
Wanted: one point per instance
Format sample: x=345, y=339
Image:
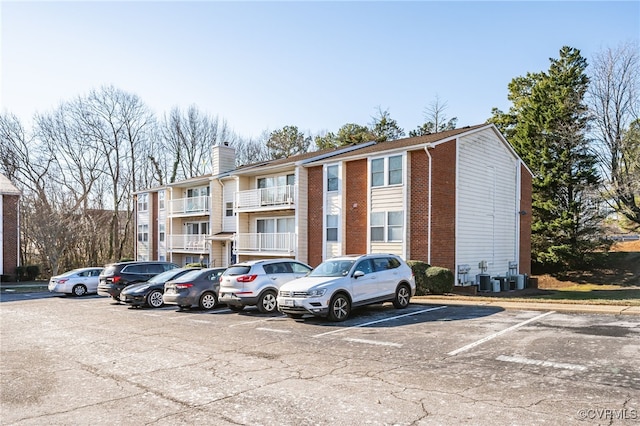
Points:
x=419, y=200
x=524, y=263
x=314, y=221
x=356, y=207
x=443, y=205
x=10, y=233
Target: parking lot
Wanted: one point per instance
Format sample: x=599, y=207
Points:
x=89, y=360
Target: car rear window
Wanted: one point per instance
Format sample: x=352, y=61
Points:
x=109, y=270
x=237, y=270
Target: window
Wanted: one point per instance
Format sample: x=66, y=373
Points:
x=332, y=227
x=386, y=171
x=377, y=172
x=197, y=228
x=387, y=226
x=161, y=197
x=143, y=233
x=161, y=232
x=394, y=226
x=377, y=226
x=395, y=170
x=332, y=178
x=143, y=202
x=228, y=211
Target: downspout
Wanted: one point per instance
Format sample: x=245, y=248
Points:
x=426, y=150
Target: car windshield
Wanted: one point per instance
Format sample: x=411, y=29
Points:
x=332, y=268
x=166, y=276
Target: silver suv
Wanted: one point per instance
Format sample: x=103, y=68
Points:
x=345, y=282
x=257, y=282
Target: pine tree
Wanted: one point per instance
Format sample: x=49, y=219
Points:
x=547, y=126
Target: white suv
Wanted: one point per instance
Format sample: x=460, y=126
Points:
x=345, y=282
x=257, y=282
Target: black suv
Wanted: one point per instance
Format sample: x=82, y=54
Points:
x=117, y=276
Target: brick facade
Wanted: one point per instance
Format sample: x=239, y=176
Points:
x=526, y=189
x=314, y=220
x=10, y=225
x=355, y=207
x=443, y=205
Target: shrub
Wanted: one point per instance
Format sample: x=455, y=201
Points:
x=439, y=280
x=193, y=265
x=27, y=273
x=419, y=269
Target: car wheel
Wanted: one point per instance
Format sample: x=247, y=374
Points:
x=79, y=290
x=268, y=302
x=236, y=308
x=208, y=300
x=339, y=308
x=403, y=294
x=154, y=299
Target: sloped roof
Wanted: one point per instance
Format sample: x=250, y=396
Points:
x=6, y=187
x=362, y=148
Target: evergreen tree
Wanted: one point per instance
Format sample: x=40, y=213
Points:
x=547, y=126
x=287, y=142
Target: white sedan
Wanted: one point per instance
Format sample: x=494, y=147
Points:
x=77, y=281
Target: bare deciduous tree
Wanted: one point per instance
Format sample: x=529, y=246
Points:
x=614, y=99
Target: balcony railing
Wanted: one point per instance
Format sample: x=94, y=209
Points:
x=192, y=205
x=187, y=242
x=282, y=243
x=266, y=198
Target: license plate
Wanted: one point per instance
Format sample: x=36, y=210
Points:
x=289, y=302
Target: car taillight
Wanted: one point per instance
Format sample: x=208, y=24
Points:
x=63, y=280
x=185, y=285
x=246, y=278
x=115, y=279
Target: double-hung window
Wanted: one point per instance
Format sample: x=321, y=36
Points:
x=332, y=178
x=387, y=226
x=386, y=171
x=143, y=233
x=332, y=227
x=143, y=202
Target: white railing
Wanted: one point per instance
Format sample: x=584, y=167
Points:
x=284, y=243
x=277, y=196
x=192, y=205
x=187, y=242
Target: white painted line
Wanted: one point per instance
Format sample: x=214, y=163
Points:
x=499, y=333
x=527, y=361
x=246, y=322
x=382, y=320
x=200, y=321
x=152, y=315
x=275, y=330
x=373, y=342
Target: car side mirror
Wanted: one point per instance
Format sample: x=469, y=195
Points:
x=358, y=274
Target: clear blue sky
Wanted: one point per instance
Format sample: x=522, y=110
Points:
x=316, y=65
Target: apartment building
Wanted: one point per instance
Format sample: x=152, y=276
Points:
x=460, y=199
x=9, y=228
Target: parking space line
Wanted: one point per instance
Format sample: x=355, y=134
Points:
x=247, y=322
x=275, y=330
x=382, y=320
x=499, y=333
x=373, y=342
x=200, y=321
x=528, y=361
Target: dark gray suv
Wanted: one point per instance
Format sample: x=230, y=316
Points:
x=116, y=276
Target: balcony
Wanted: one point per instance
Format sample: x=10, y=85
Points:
x=274, y=198
x=187, y=243
x=196, y=206
x=282, y=244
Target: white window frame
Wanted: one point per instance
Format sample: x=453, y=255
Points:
x=143, y=233
x=386, y=170
x=161, y=199
x=143, y=202
x=386, y=227
x=330, y=226
x=328, y=178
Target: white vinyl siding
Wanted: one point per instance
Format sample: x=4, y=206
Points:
x=486, y=203
x=228, y=222
x=333, y=218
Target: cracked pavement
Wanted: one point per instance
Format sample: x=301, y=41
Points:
x=87, y=360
